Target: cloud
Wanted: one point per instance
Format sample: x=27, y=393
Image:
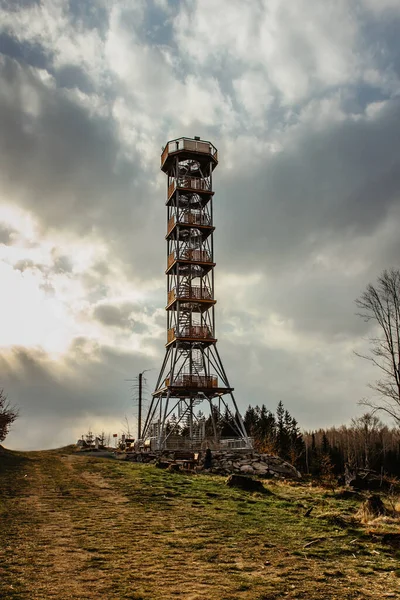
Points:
x=336, y=181
x=294, y=45
x=301, y=100
x=87, y=389
x=114, y=316
x=5, y=235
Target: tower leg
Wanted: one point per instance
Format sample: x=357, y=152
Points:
x=161, y=439
x=214, y=426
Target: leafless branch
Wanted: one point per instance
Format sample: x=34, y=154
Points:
x=381, y=303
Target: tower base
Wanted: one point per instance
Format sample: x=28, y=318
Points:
x=194, y=422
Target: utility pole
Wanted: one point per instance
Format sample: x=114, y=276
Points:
x=140, y=406
x=139, y=387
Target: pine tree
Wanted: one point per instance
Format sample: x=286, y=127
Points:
x=250, y=420
x=297, y=446
x=283, y=421
x=266, y=431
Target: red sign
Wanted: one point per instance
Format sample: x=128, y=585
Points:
x=115, y=434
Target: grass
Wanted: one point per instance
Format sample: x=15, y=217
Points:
x=75, y=526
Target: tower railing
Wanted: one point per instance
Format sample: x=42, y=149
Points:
x=200, y=332
x=171, y=225
x=195, y=219
x=190, y=255
x=189, y=219
x=189, y=183
x=189, y=145
x=193, y=381
x=192, y=293
x=196, y=255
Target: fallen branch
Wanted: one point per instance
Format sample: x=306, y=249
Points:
x=321, y=539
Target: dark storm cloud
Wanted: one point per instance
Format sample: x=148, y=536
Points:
x=62, y=264
x=381, y=33
x=26, y=52
x=16, y=5
x=327, y=189
x=89, y=14
x=267, y=375
x=5, y=235
x=360, y=96
x=33, y=54
x=92, y=384
x=59, y=153
x=152, y=23
x=343, y=178
x=126, y=316
x=71, y=76
x=368, y=206
x=92, y=388
x=115, y=316
x=22, y=265
x=71, y=162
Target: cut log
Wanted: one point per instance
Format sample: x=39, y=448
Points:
x=245, y=483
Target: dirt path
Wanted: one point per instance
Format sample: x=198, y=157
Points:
x=45, y=542
x=76, y=527
x=75, y=535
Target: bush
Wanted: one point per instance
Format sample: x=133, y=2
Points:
x=8, y=414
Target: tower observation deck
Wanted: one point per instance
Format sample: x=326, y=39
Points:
x=192, y=375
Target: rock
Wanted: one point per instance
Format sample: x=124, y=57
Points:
x=245, y=483
x=247, y=469
x=260, y=467
x=246, y=462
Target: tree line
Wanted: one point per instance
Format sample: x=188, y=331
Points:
x=366, y=443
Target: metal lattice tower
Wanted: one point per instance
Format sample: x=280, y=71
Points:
x=192, y=376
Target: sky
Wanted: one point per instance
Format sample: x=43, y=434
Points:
x=302, y=100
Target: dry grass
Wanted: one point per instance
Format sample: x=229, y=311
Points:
x=82, y=527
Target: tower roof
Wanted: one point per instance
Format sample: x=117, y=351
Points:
x=188, y=148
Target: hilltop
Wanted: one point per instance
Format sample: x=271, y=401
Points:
x=79, y=526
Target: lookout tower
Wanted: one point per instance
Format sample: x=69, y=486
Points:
x=192, y=376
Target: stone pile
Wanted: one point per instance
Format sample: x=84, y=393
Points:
x=252, y=463
x=240, y=462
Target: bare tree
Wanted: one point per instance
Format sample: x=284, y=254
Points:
x=366, y=428
x=381, y=303
x=8, y=414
